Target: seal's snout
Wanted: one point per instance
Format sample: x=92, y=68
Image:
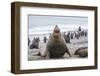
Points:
x=56, y=29
x=56, y=32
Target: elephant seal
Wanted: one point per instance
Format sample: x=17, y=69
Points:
x=56, y=45
x=82, y=52
x=35, y=43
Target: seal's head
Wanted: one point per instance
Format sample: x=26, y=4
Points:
x=56, y=33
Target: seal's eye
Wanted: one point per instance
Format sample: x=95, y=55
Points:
x=56, y=31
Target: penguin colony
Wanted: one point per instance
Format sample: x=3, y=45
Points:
x=56, y=45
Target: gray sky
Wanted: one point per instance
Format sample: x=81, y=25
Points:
x=43, y=23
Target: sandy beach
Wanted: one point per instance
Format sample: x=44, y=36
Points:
x=72, y=46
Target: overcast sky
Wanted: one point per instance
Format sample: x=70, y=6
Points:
x=42, y=23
